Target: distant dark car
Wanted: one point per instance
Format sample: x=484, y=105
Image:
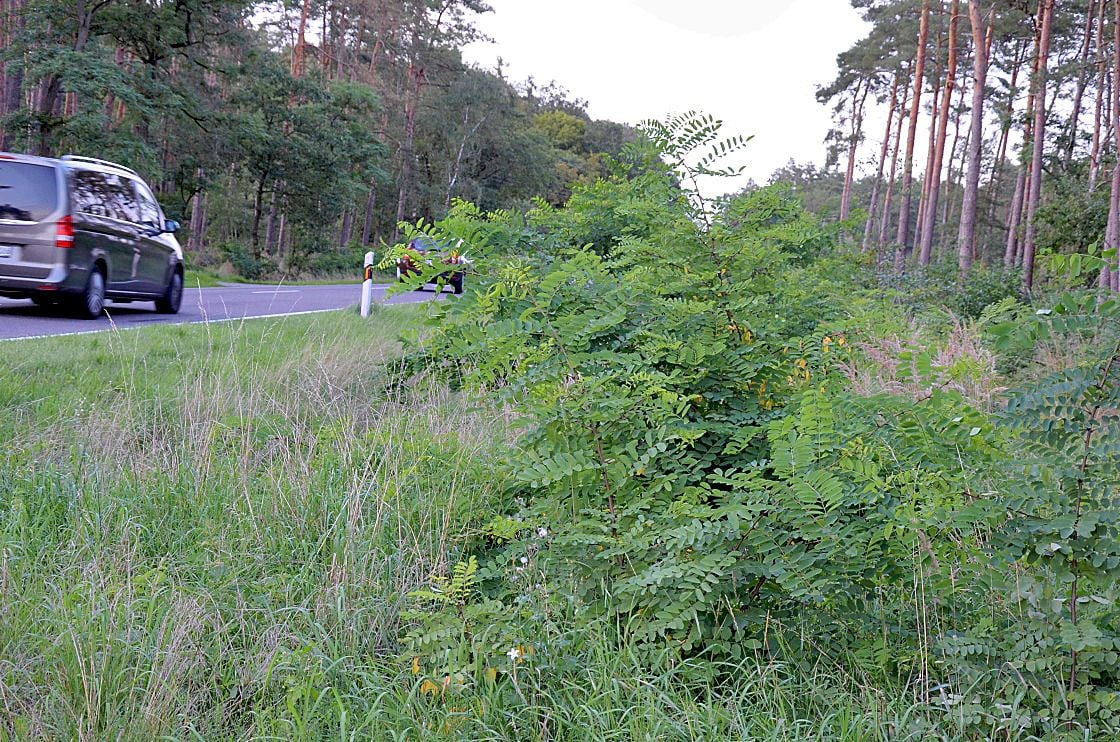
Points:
x=425, y=251
x=76, y=230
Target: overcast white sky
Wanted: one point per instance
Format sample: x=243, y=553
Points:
x=756, y=64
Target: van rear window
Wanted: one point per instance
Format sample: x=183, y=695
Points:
x=28, y=193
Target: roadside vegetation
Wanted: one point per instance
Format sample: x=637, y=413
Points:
x=215, y=531
x=667, y=470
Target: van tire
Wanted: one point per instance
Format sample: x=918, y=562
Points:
x=91, y=302
x=172, y=297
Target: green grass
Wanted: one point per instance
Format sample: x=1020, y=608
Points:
x=200, y=279
x=210, y=532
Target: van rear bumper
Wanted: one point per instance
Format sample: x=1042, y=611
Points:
x=21, y=286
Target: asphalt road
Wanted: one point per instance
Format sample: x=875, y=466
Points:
x=19, y=318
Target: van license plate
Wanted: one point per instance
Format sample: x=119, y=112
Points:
x=7, y=251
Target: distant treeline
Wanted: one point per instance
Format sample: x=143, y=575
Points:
x=995, y=133
x=283, y=134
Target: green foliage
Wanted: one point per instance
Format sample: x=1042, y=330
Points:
x=1072, y=217
x=654, y=375
x=1049, y=657
x=243, y=261
x=563, y=129
x=940, y=285
x=692, y=468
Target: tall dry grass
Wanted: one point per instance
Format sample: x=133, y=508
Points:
x=197, y=512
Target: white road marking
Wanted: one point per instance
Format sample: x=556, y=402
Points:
x=118, y=328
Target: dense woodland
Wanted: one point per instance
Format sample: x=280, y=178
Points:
x=1014, y=104
x=283, y=133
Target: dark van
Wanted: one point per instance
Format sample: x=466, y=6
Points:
x=76, y=230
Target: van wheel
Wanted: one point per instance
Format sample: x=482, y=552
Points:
x=91, y=303
x=173, y=296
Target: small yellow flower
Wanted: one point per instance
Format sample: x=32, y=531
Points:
x=429, y=688
x=415, y=665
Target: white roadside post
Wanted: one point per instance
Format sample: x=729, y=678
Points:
x=367, y=285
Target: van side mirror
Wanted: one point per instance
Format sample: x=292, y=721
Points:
x=170, y=226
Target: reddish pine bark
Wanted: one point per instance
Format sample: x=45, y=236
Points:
x=939, y=145
x=923, y=197
x=885, y=218
x=1038, y=141
x=1013, y=254
x=955, y=164
x=966, y=237
x=912, y=132
x=298, y=58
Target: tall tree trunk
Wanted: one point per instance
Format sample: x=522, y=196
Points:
x=995, y=182
x=258, y=210
x=1014, y=213
x=885, y=217
x=1013, y=253
x=299, y=64
x=283, y=240
x=271, y=226
x=856, y=132
x=408, y=154
x=966, y=237
x=1112, y=239
x=884, y=150
x=196, y=238
x=939, y=146
x=347, y=230
x=49, y=106
x=367, y=222
x=11, y=73
x=956, y=163
x=912, y=133
x=1079, y=90
x=923, y=197
x=1102, y=73
x=1039, y=141
x=935, y=112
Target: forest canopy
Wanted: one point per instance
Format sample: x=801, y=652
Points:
x=288, y=135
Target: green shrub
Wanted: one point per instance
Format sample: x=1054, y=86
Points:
x=244, y=263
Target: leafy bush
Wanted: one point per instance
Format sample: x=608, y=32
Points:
x=939, y=286
x=695, y=470
x=243, y=261
x=654, y=382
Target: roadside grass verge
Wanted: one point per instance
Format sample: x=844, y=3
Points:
x=193, y=279
x=211, y=532
x=190, y=516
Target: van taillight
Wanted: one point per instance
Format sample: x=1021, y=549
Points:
x=64, y=232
